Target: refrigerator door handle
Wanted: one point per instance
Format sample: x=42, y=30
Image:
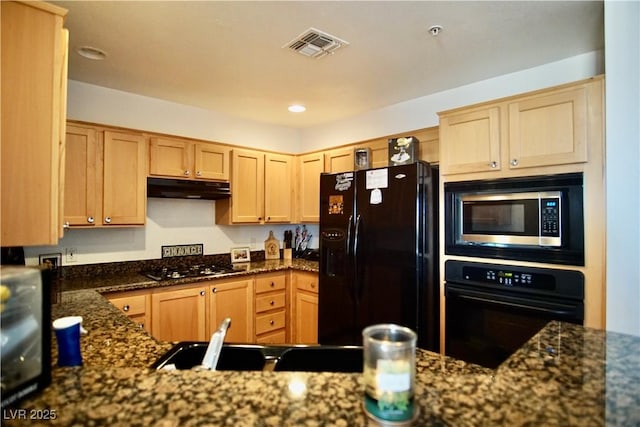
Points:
x=357, y=289
x=349, y=234
x=355, y=237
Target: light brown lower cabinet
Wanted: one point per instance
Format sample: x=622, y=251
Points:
x=271, y=307
x=304, y=310
x=179, y=314
x=135, y=304
x=193, y=313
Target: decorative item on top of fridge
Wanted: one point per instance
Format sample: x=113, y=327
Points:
x=402, y=151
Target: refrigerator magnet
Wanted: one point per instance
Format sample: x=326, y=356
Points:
x=375, y=198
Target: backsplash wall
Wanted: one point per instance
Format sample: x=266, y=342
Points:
x=169, y=222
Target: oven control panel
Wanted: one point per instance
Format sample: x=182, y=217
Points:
x=505, y=277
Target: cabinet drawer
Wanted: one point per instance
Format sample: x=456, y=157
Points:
x=278, y=337
x=131, y=305
x=270, y=302
x=308, y=283
x=270, y=283
x=269, y=322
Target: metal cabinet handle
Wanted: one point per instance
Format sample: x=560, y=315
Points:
x=198, y=173
x=90, y=220
x=65, y=225
x=514, y=162
x=202, y=293
x=126, y=307
x=214, y=290
x=187, y=173
x=271, y=302
x=141, y=325
x=271, y=322
x=493, y=165
x=107, y=220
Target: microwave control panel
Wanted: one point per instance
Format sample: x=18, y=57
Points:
x=550, y=217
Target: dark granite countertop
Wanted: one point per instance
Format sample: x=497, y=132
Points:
x=591, y=378
x=114, y=281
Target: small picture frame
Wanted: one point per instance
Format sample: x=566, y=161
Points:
x=362, y=158
x=402, y=151
x=242, y=254
x=51, y=261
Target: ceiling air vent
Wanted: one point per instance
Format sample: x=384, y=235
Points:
x=315, y=43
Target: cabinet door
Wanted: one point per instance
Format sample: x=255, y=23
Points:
x=179, y=315
x=80, y=187
x=306, y=318
x=379, y=153
x=310, y=167
x=470, y=142
x=549, y=130
x=33, y=60
x=339, y=160
x=211, y=162
x=429, y=144
x=278, y=187
x=125, y=179
x=170, y=157
x=135, y=304
x=247, y=186
x=234, y=300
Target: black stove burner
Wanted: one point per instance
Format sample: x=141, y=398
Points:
x=197, y=270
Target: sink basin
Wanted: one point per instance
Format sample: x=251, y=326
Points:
x=321, y=359
x=186, y=355
x=249, y=357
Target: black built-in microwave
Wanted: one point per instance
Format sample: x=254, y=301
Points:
x=538, y=219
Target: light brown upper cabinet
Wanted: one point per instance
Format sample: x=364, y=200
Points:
x=339, y=160
x=261, y=189
x=106, y=184
x=34, y=64
x=545, y=128
x=310, y=166
x=180, y=158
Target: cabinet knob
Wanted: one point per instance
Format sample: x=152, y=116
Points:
x=187, y=173
x=126, y=307
x=271, y=302
x=259, y=218
x=90, y=220
x=313, y=285
x=107, y=220
x=214, y=290
x=493, y=165
x=514, y=162
x=272, y=284
x=65, y=225
x=271, y=322
x=202, y=293
x=141, y=325
x=198, y=173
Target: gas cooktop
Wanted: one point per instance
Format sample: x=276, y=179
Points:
x=196, y=270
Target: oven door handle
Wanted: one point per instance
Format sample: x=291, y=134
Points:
x=544, y=307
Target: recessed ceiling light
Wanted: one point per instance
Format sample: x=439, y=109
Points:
x=296, y=108
x=90, y=52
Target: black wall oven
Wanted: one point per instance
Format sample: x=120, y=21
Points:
x=492, y=309
x=538, y=219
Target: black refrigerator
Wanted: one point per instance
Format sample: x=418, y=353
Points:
x=378, y=253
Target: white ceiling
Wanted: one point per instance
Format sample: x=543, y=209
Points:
x=228, y=56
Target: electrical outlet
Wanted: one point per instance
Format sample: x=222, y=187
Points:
x=70, y=255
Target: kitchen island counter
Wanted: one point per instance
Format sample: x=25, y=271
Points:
x=565, y=375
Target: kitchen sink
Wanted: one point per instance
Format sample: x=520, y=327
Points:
x=250, y=357
x=186, y=355
x=321, y=359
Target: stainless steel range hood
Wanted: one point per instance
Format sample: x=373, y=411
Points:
x=187, y=189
